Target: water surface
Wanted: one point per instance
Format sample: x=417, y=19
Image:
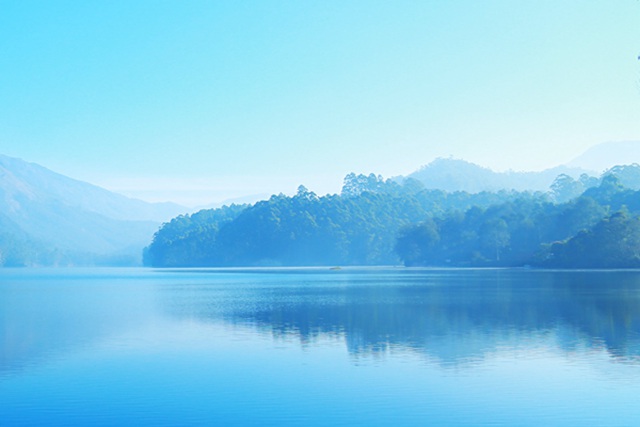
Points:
x=319, y=347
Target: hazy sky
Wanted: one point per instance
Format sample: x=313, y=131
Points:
x=197, y=101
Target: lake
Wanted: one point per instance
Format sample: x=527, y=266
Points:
x=292, y=347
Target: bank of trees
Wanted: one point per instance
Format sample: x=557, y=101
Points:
x=508, y=234
x=614, y=242
x=597, y=229
x=587, y=222
x=357, y=227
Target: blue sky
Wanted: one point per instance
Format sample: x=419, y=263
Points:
x=198, y=101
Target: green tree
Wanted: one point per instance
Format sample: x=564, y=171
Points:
x=614, y=242
x=494, y=234
x=565, y=188
x=416, y=244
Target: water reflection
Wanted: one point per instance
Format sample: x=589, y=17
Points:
x=454, y=316
x=451, y=316
x=47, y=313
x=316, y=347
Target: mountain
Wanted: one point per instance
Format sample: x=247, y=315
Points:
x=242, y=200
x=608, y=154
x=18, y=176
x=460, y=175
x=47, y=218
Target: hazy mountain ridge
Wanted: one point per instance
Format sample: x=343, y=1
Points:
x=47, y=217
x=43, y=212
x=449, y=174
x=603, y=156
x=18, y=177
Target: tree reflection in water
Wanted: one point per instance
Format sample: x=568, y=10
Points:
x=451, y=315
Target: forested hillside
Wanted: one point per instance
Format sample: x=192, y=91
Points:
x=599, y=228
x=357, y=227
x=380, y=222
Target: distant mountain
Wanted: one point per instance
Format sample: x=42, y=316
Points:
x=242, y=200
x=18, y=176
x=460, y=175
x=608, y=154
x=47, y=218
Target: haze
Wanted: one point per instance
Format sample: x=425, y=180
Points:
x=203, y=101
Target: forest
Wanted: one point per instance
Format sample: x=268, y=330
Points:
x=579, y=223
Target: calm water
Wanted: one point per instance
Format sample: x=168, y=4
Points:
x=281, y=347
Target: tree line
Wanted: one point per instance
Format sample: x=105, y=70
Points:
x=585, y=222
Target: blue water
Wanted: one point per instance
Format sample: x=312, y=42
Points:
x=282, y=347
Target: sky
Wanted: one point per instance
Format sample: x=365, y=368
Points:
x=203, y=101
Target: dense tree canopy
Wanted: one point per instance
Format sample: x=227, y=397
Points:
x=357, y=227
x=584, y=222
x=598, y=229
x=614, y=242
